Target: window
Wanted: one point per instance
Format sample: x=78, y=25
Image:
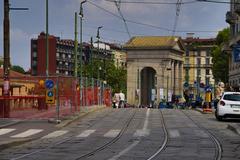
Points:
x=34, y=54
x=198, y=72
x=187, y=53
x=207, y=80
x=207, y=60
x=198, y=61
x=232, y=97
x=198, y=53
x=208, y=53
x=186, y=60
x=207, y=72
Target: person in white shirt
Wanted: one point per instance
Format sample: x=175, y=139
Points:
x=122, y=99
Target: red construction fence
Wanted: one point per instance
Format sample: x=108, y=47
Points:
x=27, y=98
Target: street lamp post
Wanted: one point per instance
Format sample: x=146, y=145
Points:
x=81, y=47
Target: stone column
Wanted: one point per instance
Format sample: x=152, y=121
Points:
x=180, y=82
x=177, y=80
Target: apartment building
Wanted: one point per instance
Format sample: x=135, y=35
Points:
x=233, y=49
x=198, y=61
x=61, y=55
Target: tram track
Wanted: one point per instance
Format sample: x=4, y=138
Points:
x=218, y=150
x=166, y=138
x=112, y=141
x=65, y=140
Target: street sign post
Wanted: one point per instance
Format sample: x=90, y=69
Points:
x=50, y=92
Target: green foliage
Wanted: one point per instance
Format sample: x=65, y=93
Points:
x=221, y=59
x=223, y=36
x=220, y=65
x=115, y=77
x=18, y=69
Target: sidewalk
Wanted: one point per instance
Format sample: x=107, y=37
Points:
x=5, y=123
x=8, y=122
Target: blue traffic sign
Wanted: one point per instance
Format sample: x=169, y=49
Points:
x=50, y=93
x=49, y=84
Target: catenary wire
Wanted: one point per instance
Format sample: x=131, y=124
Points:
x=120, y=12
x=149, y=25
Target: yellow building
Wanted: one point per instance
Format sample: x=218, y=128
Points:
x=198, y=63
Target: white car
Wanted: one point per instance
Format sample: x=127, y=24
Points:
x=228, y=106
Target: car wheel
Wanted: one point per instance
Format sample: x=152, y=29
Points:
x=219, y=118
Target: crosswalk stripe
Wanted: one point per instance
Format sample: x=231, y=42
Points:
x=174, y=133
x=55, y=134
x=6, y=130
x=141, y=133
x=27, y=133
x=86, y=133
x=112, y=133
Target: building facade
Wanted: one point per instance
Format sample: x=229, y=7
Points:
x=232, y=17
x=119, y=55
x=198, y=62
x=154, y=69
x=61, y=55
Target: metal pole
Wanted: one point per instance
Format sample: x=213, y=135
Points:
x=167, y=86
x=6, y=63
x=57, y=94
x=75, y=47
x=47, y=58
x=81, y=18
x=92, y=67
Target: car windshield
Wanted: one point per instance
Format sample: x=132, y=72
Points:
x=232, y=97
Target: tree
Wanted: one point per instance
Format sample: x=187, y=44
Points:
x=220, y=58
x=115, y=77
x=18, y=69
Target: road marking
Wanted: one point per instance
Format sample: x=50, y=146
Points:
x=86, y=133
x=141, y=133
x=55, y=134
x=173, y=133
x=5, y=131
x=27, y=133
x=112, y=133
x=146, y=120
x=125, y=150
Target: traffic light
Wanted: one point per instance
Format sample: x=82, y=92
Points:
x=50, y=96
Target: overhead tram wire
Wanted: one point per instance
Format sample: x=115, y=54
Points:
x=145, y=24
x=178, y=8
x=153, y=2
x=124, y=20
x=219, y=2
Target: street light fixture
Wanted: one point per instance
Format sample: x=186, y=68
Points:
x=81, y=47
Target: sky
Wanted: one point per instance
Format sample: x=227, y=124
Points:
x=25, y=25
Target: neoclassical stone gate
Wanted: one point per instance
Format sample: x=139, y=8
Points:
x=154, y=69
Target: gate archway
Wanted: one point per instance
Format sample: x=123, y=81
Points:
x=148, y=82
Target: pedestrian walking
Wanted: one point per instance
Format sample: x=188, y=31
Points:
x=122, y=99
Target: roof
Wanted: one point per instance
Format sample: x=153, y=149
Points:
x=12, y=73
x=152, y=42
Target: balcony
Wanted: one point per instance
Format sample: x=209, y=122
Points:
x=231, y=17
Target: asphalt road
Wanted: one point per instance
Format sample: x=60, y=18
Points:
x=129, y=134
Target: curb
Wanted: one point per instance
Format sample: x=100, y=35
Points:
x=234, y=127
x=10, y=124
